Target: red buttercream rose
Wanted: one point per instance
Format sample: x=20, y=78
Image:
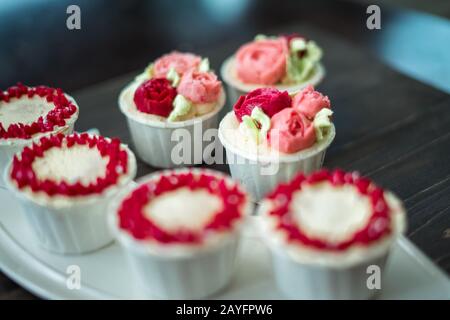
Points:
x=155, y=96
x=269, y=100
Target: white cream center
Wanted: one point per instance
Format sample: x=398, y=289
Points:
x=183, y=209
x=330, y=213
x=78, y=163
x=25, y=111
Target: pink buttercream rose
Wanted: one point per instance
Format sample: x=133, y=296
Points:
x=181, y=62
x=291, y=131
x=262, y=61
x=200, y=87
x=309, y=102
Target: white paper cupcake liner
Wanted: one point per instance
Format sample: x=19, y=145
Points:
x=179, y=271
x=190, y=277
x=156, y=142
x=302, y=272
x=73, y=225
x=310, y=282
x=260, y=174
x=237, y=88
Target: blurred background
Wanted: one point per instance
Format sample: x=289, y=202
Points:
x=385, y=140
x=118, y=37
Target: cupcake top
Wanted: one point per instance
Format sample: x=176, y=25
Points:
x=332, y=218
x=178, y=211
x=174, y=88
x=283, y=60
x=60, y=169
x=269, y=122
x=30, y=112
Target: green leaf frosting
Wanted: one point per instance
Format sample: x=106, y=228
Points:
x=300, y=68
x=260, y=37
x=251, y=122
x=173, y=77
x=204, y=65
x=251, y=126
x=264, y=121
x=322, y=123
x=181, y=107
x=147, y=74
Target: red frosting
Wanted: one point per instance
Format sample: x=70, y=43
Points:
x=131, y=213
x=155, y=96
x=22, y=171
x=57, y=117
x=373, y=231
x=270, y=100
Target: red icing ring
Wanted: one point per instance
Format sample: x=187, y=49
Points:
x=379, y=223
x=62, y=111
x=132, y=218
x=24, y=176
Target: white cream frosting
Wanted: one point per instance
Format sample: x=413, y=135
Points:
x=329, y=213
x=183, y=209
x=278, y=241
x=61, y=201
x=24, y=111
x=212, y=239
x=78, y=163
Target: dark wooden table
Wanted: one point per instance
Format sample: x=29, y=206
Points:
x=390, y=127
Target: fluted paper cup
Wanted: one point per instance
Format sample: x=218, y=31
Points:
x=185, y=276
x=259, y=174
x=304, y=273
x=71, y=225
x=180, y=271
x=237, y=88
x=308, y=282
x=158, y=143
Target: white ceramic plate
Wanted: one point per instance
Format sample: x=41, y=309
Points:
x=105, y=273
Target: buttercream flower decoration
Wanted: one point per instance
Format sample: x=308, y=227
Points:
x=262, y=62
x=258, y=123
x=200, y=87
x=302, y=58
x=288, y=125
x=270, y=100
x=310, y=102
x=155, y=96
x=177, y=86
x=291, y=131
x=180, y=62
x=274, y=60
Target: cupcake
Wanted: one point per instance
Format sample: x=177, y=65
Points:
x=173, y=101
x=324, y=232
x=270, y=136
x=180, y=229
x=29, y=113
x=64, y=184
x=287, y=62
